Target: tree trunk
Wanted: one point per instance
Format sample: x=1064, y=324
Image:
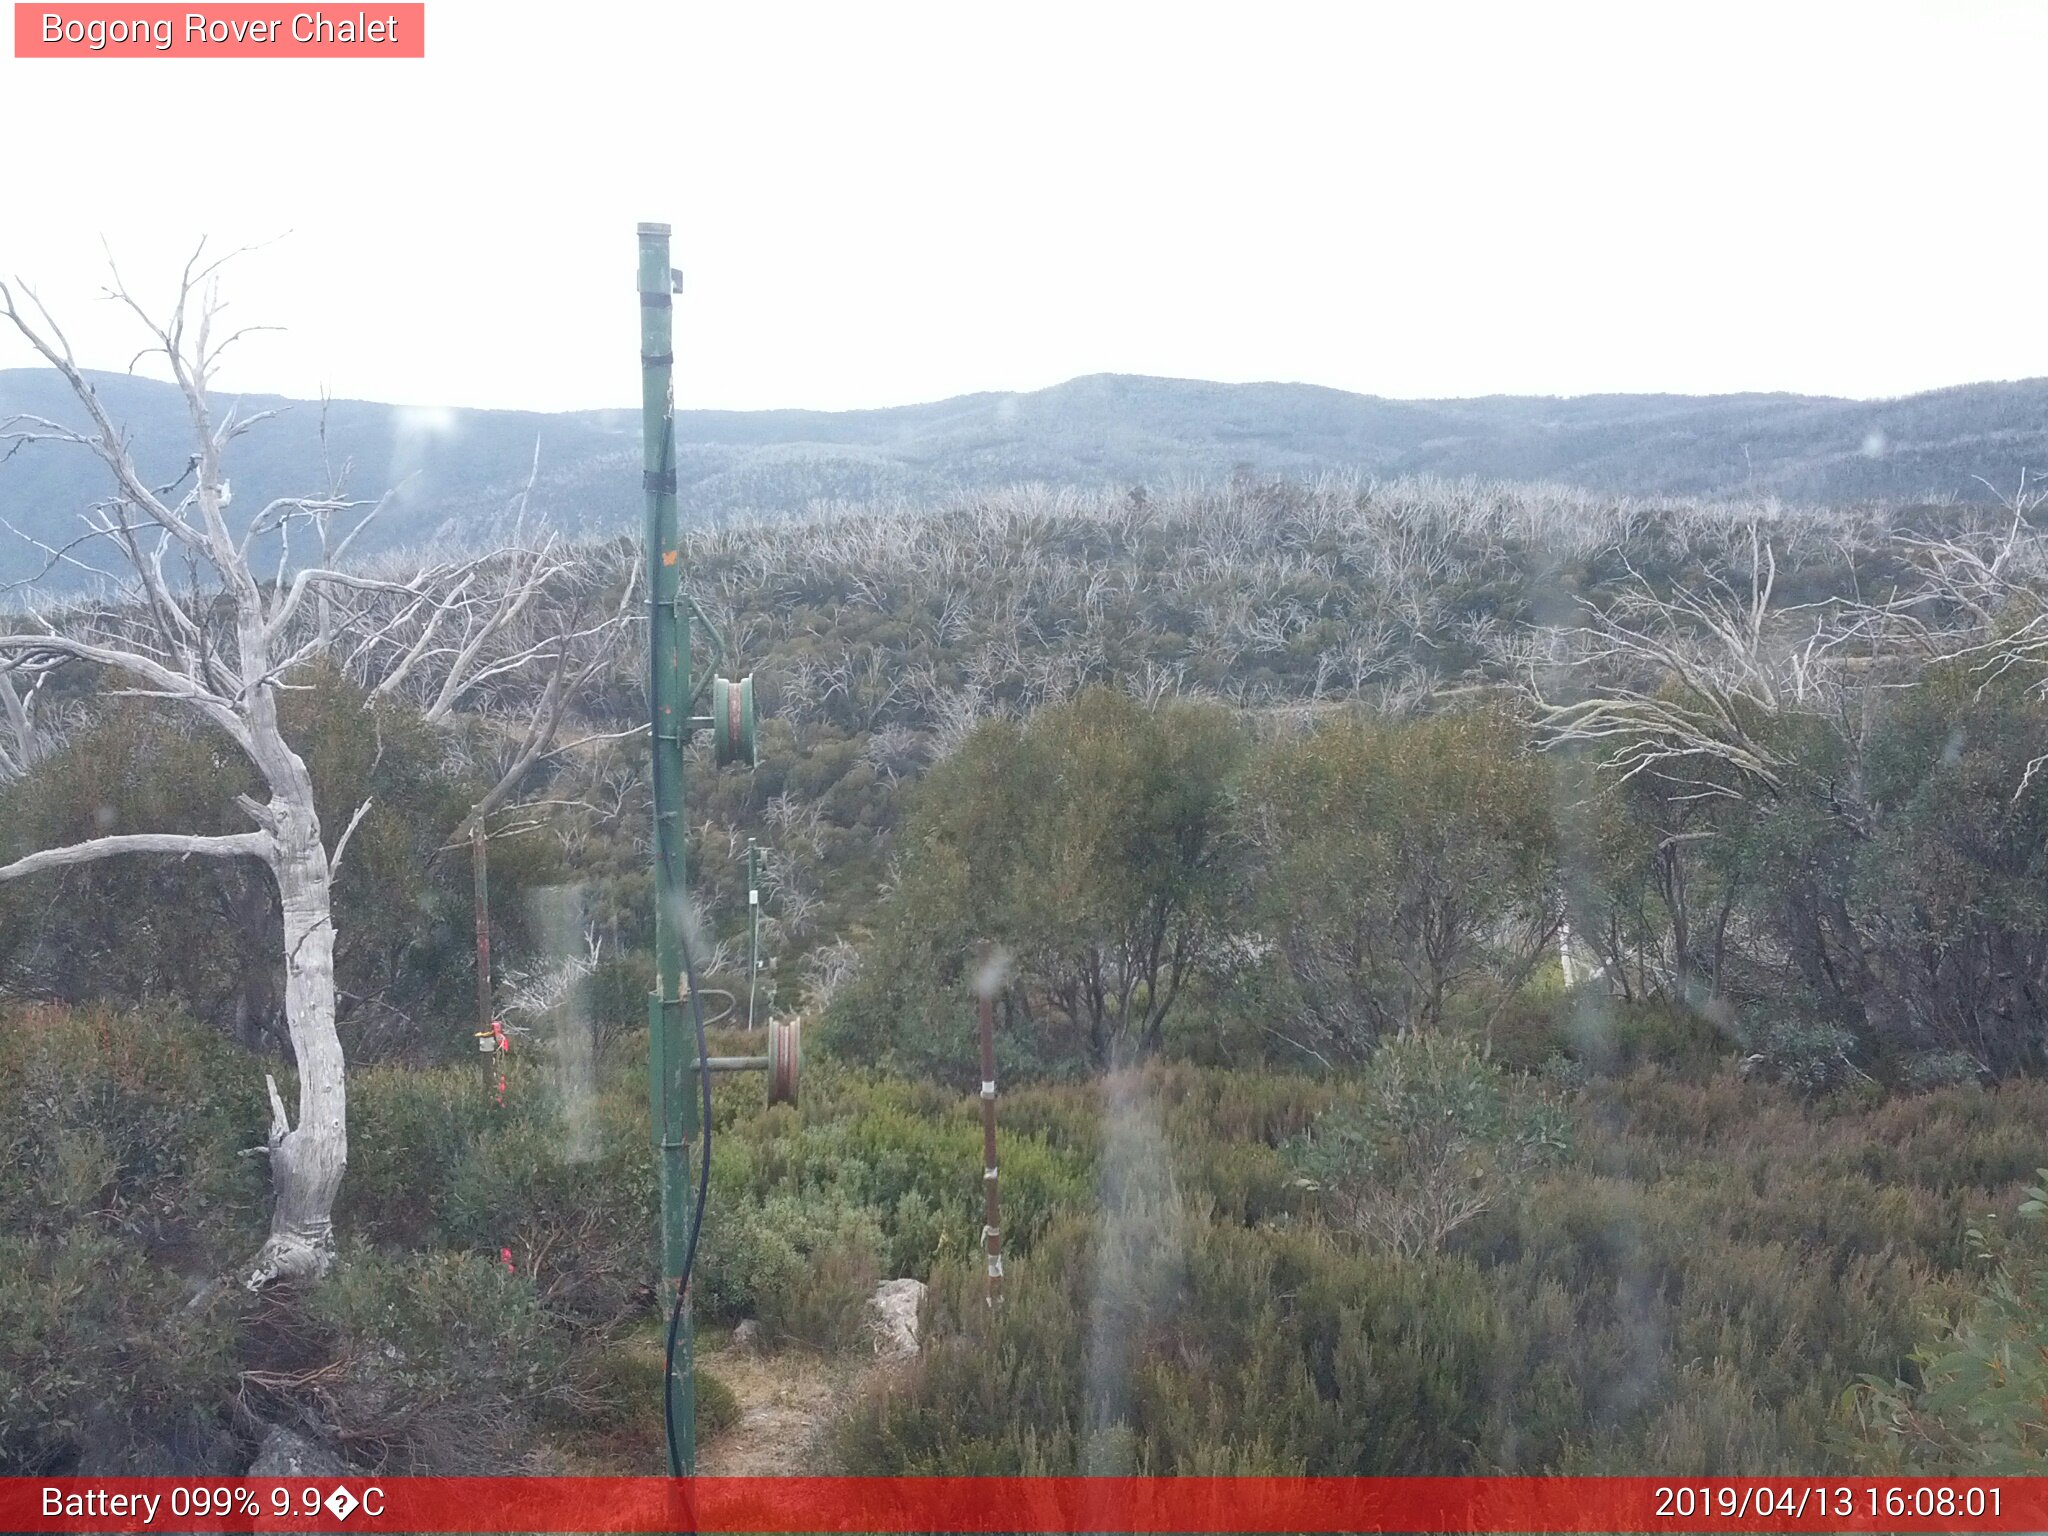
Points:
x=306, y=1161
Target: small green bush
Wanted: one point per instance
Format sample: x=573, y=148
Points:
x=1436, y=1137
x=1811, y=1056
x=436, y=1161
x=450, y=1364
x=803, y=1267
x=1926, y=1070
x=103, y=1366
x=123, y=1203
x=1528, y=1030
x=1615, y=1037
x=1977, y=1405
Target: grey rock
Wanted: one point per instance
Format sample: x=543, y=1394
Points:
x=286, y=1453
x=892, y=1317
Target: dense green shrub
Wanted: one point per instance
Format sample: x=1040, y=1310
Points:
x=908, y=1152
x=1615, y=1036
x=1435, y=1137
x=1938, y=1069
x=123, y=1202
x=449, y=1363
x=1093, y=844
x=204, y=934
x=561, y=1176
x=104, y=1368
x=1176, y=1344
x=1811, y=1055
x=1691, y=1287
x=1982, y=1381
x=1854, y=894
x=804, y=1267
x=1398, y=862
x=1530, y=1030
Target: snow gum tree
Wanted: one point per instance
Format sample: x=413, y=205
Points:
x=179, y=614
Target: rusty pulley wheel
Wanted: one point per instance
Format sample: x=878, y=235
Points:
x=732, y=721
x=785, y=1059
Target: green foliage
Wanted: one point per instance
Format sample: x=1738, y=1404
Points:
x=1939, y=1069
x=1878, y=900
x=451, y=1364
x=1436, y=1137
x=1399, y=862
x=1687, y=1287
x=908, y=1155
x=1091, y=843
x=560, y=1174
x=143, y=929
x=1810, y=1055
x=804, y=1267
x=123, y=1196
x=204, y=934
x=1616, y=1037
x=1953, y=888
x=1217, y=1349
x=1980, y=1404
x=103, y=1366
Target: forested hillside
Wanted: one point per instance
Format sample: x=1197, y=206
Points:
x=1493, y=979
x=456, y=470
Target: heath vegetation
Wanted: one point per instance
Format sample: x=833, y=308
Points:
x=1491, y=979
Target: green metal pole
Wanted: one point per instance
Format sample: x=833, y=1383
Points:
x=671, y=1059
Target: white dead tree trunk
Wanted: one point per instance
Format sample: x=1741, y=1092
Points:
x=1981, y=597
x=22, y=743
x=184, y=618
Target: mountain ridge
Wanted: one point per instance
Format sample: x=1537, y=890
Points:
x=460, y=467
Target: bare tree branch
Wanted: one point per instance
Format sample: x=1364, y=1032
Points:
x=238, y=845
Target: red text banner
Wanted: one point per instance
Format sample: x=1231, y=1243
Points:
x=1028, y=1504
x=224, y=31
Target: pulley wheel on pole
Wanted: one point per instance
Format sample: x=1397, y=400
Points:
x=732, y=721
x=785, y=1059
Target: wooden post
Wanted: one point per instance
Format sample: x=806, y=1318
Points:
x=480, y=863
x=753, y=933
x=992, y=1219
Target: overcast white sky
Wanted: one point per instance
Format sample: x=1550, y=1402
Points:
x=878, y=203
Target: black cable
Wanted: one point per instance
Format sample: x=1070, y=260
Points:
x=666, y=851
x=675, y=1316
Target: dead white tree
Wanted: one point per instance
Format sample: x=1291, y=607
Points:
x=505, y=619
x=1687, y=684
x=1980, y=597
x=22, y=741
x=184, y=618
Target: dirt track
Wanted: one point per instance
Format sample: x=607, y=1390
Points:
x=786, y=1400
